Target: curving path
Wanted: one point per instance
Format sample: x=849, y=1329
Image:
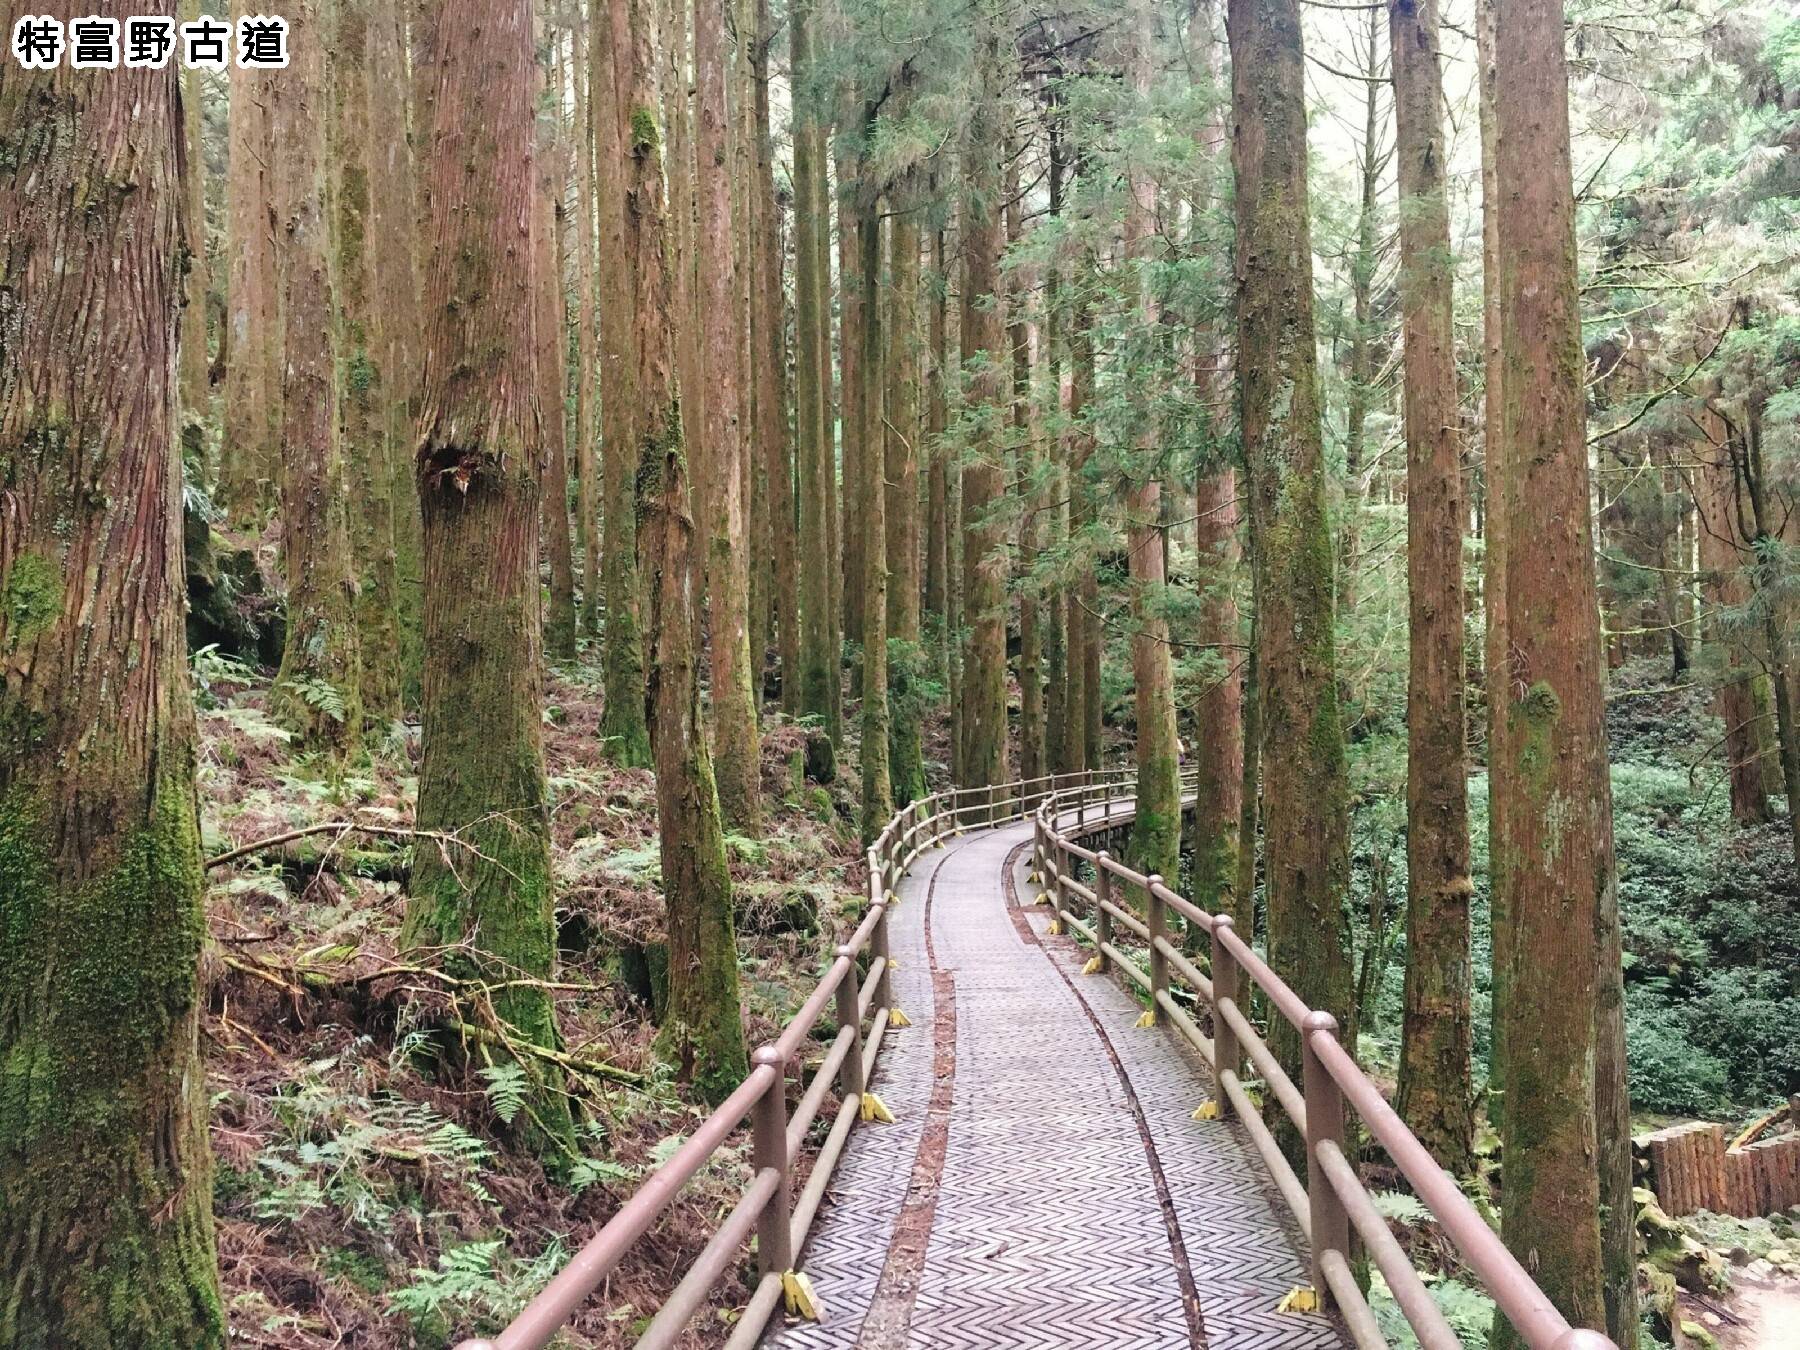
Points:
x=1044, y=1185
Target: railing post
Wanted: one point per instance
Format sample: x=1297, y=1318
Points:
x=1102, y=915
x=774, y=1235
x=878, y=950
x=850, y=1073
x=1159, y=964
x=1324, y=1121
x=1226, y=1052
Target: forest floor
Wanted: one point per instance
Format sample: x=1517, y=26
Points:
x=362, y=1200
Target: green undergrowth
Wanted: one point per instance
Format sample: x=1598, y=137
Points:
x=365, y=1198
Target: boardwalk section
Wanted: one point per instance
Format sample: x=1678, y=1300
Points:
x=1045, y=1184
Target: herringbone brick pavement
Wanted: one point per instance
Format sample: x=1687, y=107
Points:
x=1048, y=1228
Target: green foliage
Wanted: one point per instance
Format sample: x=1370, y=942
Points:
x=320, y=695
x=1468, y=1310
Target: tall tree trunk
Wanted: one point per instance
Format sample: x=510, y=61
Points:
x=318, y=692
x=1088, y=645
x=702, y=1030
x=906, y=661
x=252, y=399
x=1493, y=569
x=393, y=247
x=852, y=420
x=1031, y=646
x=877, y=784
x=1566, y=1129
x=1435, y=1097
x=1725, y=587
x=589, y=348
x=480, y=466
x=812, y=366
x=369, y=475
x=195, y=393
x=561, y=623
x=1306, y=842
x=734, y=701
x=623, y=727
x=105, y=1171
x=1061, y=697
x=937, y=486
x=1156, y=831
x=983, y=346
x=1219, y=713
x=770, y=327
x=1361, y=379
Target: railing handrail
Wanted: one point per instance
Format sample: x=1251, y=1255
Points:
x=766, y=1206
x=1334, y=1199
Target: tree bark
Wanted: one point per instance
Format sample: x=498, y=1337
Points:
x=1436, y=1096
x=1156, y=831
x=906, y=657
x=1031, y=645
x=1565, y=1132
x=105, y=1171
x=1725, y=586
x=702, y=1030
x=984, y=346
x=770, y=328
x=195, y=390
x=1306, y=842
x=852, y=421
x=252, y=399
x=812, y=358
x=318, y=692
x=735, y=748
x=590, y=346
x=393, y=247
x=562, y=624
x=877, y=784
x=479, y=467
x=623, y=725
x=369, y=475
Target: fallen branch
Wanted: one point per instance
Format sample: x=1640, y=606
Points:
x=561, y=1058
x=338, y=827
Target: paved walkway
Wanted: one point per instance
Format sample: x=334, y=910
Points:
x=1045, y=1185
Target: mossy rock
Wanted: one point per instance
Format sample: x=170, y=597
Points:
x=777, y=910
x=228, y=605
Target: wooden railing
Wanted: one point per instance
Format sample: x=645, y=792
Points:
x=1333, y=1200
x=767, y=1207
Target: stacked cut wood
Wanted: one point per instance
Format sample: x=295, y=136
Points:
x=1689, y=1168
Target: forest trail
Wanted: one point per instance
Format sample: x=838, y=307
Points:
x=1044, y=1183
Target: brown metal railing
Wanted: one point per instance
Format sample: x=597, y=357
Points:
x=1333, y=1201
x=767, y=1206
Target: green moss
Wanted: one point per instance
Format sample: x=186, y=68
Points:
x=361, y=373
x=645, y=135
x=32, y=599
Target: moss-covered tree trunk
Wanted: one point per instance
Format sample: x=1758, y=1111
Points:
x=592, y=379
x=906, y=656
x=812, y=422
x=1156, y=830
x=735, y=743
x=871, y=460
x=1436, y=1095
x=1025, y=451
x=1063, y=694
x=106, y=1230
x=702, y=1030
x=769, y=325
x=1565, y=1135
x=937, y=476
x=485, y=906
x=251, y=405
x=394, y=245
x=1360, y=377
x=1086, y=640
x=1306, y=839
x=1493, y=572
x=852, y=423
x=318, y=692
x=560, y=621
x=623, y=727
x=1219, y=738
x=983, y=698
x=368, y=476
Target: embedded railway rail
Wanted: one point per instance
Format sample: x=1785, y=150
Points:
x=1046, y=1178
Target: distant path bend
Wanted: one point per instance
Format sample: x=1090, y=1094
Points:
x=1045, y=1185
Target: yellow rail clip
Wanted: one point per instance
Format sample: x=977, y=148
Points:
x=1301, y=1298
x=801, y=1298
x=873, y=1108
